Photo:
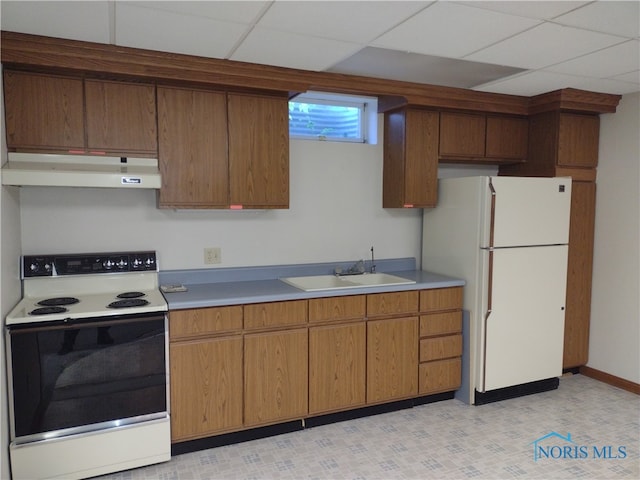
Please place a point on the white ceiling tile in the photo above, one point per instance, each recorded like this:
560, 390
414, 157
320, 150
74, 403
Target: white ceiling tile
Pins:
604, 63
86, 21
605, 85
449, 29
234, 11
617, 17
529, 83
351, 21
153, 29
543, 10
631, 77
271, 47
544, 45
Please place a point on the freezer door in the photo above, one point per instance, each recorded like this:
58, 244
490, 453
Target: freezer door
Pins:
530, 211
522, 337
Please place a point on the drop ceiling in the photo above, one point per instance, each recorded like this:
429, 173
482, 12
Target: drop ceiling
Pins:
512, 47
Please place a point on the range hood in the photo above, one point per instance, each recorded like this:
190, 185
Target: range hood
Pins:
51, 170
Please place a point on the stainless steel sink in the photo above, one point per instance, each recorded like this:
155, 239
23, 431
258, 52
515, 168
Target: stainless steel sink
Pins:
315, 283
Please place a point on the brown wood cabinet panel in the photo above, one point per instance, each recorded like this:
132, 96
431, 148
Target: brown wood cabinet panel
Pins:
121, 117
392, 359
258, 151
462, 135
580, 269
437, 348
337, 373
275, 376
392, 303
439, 299
275, 314
507, 137
192, 131
206, 387
337, 308
43, 112
578, 140
200, 322
410, 170
440, 323
440, 376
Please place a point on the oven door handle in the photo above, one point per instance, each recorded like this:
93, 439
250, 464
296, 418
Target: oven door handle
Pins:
84, 322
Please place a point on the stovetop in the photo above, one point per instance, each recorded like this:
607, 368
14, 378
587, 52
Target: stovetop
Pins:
82, 286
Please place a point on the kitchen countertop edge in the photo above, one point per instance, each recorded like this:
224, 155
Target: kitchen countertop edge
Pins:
247, 291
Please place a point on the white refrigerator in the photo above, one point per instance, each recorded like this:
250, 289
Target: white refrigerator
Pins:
507, 237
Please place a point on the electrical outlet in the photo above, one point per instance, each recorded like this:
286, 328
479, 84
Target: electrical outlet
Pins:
212, 255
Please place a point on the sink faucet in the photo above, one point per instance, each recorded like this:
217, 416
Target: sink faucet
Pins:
373, 265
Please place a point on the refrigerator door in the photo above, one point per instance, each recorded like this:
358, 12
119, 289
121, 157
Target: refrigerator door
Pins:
527, 211
521, 338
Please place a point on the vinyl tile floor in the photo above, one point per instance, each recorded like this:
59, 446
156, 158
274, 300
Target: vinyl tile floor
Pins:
584, 429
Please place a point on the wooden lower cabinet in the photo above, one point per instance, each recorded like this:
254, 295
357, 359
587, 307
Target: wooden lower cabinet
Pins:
392, 359
275, 376
337, 367
439, 376
206, 387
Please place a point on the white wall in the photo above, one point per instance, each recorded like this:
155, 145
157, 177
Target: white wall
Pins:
9, 283
335, 214
614, 345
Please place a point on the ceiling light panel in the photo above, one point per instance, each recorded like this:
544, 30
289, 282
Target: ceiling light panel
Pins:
351, 21
544, 45
154, 29
447, 29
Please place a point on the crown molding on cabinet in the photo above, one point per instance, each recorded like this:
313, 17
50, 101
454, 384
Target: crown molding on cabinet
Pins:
34, 52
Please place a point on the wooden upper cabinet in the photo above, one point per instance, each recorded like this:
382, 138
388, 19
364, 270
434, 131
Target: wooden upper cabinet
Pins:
192, 151
462, 135
485, 138
578, 137
507, 137
49, 113
121, 117
43, 112
410, 172
258, 151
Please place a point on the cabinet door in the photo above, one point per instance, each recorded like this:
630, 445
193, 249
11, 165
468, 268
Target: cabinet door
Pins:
275, 376
440, 376
43, 112
337, 358
392, 359
578, 140
410, 172
258, 151
206, 387
121, 117
580, 265
193, 148
507, 138
462, 135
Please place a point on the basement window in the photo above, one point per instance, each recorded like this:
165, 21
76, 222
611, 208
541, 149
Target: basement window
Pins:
333, 117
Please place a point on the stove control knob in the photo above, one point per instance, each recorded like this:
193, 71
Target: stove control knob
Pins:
122, 264
108, 264
34, 267
137, 262
47, 267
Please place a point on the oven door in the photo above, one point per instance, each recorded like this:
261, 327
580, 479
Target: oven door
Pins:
79, 376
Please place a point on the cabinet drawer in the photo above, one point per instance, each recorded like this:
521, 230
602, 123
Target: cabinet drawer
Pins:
440, 347
439, 299
440, 376
392, 303
264, 315
337, 308
204, 321
441, 323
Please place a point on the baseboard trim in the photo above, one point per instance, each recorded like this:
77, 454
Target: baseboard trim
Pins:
609, 379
